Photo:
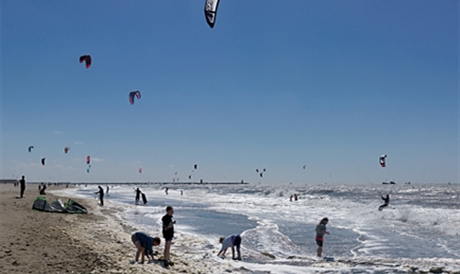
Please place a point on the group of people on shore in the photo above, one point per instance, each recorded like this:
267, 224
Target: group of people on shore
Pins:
144, 243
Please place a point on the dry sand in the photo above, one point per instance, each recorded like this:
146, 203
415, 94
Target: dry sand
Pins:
98, 242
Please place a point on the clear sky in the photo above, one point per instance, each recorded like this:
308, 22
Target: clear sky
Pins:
275, 84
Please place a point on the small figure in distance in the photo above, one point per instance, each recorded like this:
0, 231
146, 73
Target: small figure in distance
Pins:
144, 244
101, 195
138, 195
320, 231
22, 183
386, 202
230, 241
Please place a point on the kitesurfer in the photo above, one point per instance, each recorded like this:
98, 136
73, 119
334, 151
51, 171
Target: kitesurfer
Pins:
320, 231
168, 232
386, 202
22, 183
230, 241
144, 244
166, 191
101, 195
138, 195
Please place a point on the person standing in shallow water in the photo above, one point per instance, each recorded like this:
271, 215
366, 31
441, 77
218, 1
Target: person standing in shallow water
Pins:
320, 231
101, 195
168, 232
22, 183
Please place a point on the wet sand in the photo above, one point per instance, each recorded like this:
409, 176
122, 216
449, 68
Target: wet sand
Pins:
97, 242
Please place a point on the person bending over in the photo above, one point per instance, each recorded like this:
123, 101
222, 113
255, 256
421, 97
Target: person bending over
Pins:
144, 244
230, 241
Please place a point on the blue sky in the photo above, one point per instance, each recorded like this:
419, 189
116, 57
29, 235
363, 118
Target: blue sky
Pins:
277, 85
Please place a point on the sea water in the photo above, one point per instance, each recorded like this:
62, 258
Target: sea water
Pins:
421, 223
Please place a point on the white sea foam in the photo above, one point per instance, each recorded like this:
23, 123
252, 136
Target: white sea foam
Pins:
278, 235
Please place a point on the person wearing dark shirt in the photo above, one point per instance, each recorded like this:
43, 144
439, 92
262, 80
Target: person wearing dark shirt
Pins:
138, 195
144, 244
168, 232
386, 202
22, 183
101, 195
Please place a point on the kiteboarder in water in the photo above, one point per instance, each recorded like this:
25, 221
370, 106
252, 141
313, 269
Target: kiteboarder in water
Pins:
138, 195
101, 195
320, 231
144, 244
387, 201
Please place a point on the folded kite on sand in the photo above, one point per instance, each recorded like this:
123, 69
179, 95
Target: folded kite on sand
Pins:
71, 206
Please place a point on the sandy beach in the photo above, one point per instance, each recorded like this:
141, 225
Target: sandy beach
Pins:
97, 242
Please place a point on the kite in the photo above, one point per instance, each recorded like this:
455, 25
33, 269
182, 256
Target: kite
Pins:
133, 94
261, 173
190, 176
140, 170
195, 166
382, 160
43, 161
304, 166
30, 148
86, 59
66, 149
88, 160
210, 11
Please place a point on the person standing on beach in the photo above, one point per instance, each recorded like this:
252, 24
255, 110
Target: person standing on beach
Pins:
320, 231
22, 183
101, 195
230, 241
168, 232
144, 244
107, 191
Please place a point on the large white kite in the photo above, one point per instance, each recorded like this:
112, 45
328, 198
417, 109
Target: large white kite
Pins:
210, 11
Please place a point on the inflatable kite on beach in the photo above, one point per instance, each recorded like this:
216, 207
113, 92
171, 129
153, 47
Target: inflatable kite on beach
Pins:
210, 11
88, 160
87, 59
382, 160
133, 94
57, 206
66, 149
30, 148
43, 161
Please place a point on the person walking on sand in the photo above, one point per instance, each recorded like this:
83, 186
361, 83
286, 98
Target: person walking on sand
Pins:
144, 244
230, 241
22, 183
168, 232
320, 231
101, 195
107, 191
386, 201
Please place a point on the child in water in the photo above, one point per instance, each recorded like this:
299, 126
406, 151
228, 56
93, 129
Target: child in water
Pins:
320, 231
230, 241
